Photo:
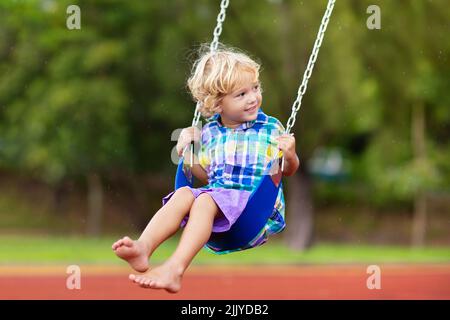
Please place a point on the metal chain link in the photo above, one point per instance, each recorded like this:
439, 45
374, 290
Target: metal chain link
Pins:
218, 29
312, 59
213, 47
302, 89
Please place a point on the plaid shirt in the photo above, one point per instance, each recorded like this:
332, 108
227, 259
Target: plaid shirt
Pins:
237, 158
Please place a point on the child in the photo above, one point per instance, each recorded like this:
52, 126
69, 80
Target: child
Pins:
235, 146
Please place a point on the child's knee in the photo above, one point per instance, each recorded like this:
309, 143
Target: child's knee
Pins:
185, 193
205, 203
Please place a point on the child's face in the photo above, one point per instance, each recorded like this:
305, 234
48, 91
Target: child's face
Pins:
241, 105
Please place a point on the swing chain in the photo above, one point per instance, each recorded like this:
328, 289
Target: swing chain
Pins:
213, 47
312, 59
218, 28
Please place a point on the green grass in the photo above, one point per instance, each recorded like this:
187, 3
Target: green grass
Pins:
54, 250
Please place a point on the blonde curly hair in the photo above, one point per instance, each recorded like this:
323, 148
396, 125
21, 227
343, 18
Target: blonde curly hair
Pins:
216, 74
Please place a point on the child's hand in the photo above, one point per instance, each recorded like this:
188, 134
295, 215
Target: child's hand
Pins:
186, 136
286, 143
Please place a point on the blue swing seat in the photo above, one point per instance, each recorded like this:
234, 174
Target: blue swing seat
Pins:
252, 220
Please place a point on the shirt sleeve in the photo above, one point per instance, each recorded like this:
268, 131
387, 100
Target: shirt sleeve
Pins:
277, 129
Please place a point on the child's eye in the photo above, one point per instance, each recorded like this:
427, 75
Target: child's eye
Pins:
256, 87
241, 94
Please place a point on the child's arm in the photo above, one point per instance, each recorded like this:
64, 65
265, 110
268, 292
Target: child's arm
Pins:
291, 165
286, 143
197, 169
188, 135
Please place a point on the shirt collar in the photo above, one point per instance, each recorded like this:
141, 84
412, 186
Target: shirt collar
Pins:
260, 118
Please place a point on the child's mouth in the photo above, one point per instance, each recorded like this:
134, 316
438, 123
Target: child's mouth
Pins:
252, 109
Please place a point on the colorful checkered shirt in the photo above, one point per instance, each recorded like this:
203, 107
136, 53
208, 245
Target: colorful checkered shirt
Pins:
237, 158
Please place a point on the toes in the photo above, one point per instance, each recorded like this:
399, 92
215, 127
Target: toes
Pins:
118, 243
143, 281
127, 241
137, 280
146, 283
149, 281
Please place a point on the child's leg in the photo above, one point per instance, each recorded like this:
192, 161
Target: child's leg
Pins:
195, 235
164, 224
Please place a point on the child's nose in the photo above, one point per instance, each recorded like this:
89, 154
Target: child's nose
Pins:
252, 98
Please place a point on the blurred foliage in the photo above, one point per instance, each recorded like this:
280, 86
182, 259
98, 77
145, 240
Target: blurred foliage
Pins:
105, 99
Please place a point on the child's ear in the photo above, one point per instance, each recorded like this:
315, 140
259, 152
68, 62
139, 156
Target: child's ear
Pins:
218, 105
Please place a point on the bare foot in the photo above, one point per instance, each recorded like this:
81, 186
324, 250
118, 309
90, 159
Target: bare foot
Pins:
166, 277
134, 252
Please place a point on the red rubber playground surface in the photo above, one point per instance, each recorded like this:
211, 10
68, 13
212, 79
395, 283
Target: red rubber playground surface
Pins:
415, 281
